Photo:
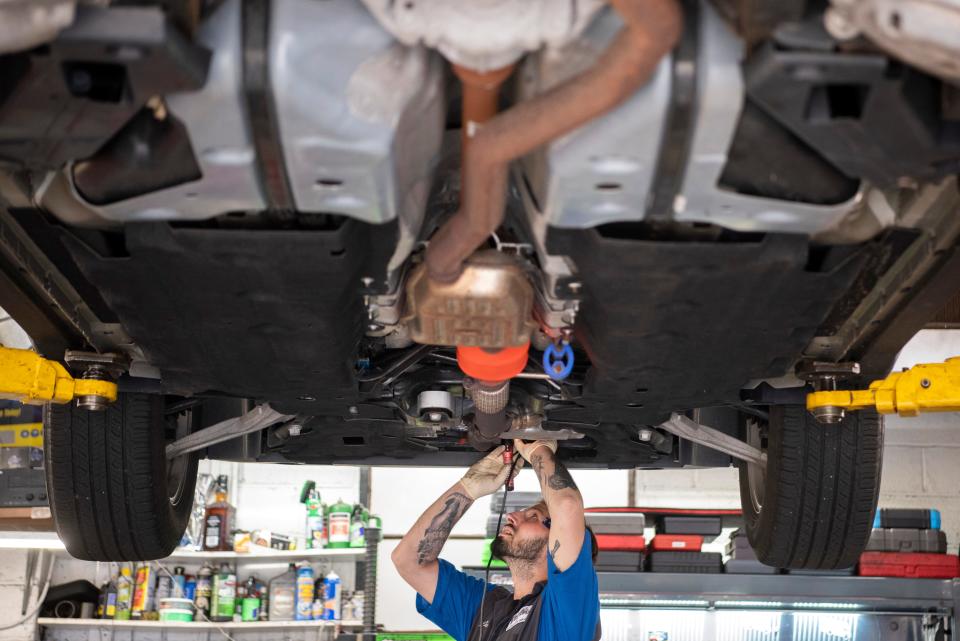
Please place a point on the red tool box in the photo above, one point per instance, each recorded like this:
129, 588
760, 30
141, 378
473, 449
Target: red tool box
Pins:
670, 542
621, 542
910, 565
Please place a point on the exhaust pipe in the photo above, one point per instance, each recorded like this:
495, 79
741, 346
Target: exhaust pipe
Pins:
651, 31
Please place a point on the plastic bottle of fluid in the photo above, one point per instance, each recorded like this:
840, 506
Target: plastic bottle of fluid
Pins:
179, 581
283, 595
110, 601
332, 595
338, 531
314, 520
358, 523
224, 602
124, 594
305, 594
203, 591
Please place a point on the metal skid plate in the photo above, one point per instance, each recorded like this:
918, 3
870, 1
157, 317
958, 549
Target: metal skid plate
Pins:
604, 171
65, 100
720, 92
360, 120
219, 135
361, 116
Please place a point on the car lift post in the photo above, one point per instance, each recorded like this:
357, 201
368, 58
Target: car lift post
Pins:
933, 387
27, 377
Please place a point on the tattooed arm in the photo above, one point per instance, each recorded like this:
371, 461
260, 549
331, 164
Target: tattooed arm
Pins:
562, 498
416, 556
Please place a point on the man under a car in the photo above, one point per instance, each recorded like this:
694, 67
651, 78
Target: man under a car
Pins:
546, 547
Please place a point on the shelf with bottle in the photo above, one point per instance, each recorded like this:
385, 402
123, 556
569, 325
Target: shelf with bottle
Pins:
216, 593
262, 553
191, 625
331, 530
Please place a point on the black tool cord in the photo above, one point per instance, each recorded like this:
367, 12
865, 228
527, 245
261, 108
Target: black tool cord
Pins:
486, 574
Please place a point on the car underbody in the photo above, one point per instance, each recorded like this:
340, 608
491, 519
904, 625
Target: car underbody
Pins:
242, 202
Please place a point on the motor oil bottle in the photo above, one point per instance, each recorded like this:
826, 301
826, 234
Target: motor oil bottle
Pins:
124, 594
304, 601
203, 591
339, 525
224, 599
332, 595
218, 519
110, 600
143, 592
282, 596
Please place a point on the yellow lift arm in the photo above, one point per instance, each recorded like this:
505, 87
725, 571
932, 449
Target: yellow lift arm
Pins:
933, 387
29, 378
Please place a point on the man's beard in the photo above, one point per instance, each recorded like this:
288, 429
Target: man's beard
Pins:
522, 551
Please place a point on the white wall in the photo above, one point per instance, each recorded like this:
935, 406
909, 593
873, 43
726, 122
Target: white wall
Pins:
13, 582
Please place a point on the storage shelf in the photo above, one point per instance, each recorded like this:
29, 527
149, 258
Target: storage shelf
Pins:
262, 554
191, 625
50, 541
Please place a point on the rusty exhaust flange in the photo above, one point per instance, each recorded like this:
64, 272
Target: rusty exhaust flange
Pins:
651, 31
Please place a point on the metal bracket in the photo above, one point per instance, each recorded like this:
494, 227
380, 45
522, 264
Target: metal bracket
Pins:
689, 429
93, 366
538, 434
824, 376
260, 417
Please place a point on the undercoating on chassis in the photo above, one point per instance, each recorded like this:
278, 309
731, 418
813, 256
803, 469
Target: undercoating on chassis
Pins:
667, 323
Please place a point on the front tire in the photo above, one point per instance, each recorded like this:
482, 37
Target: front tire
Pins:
113, 495
813, 507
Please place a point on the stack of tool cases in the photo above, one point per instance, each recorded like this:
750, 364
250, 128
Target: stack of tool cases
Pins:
743, 560
908, 543
620, 531
678, 542
617, 561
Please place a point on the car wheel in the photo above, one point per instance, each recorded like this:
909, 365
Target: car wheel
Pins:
113, 494
813, 505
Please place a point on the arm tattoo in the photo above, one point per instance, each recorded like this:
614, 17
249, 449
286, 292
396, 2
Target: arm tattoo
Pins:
556, 546
436, 534
561, 479
537, 461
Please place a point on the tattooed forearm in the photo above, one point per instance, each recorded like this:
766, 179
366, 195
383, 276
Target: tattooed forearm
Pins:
439, 529
561, 479
537, 461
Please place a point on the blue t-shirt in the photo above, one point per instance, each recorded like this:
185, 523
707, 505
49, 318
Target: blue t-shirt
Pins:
571, 600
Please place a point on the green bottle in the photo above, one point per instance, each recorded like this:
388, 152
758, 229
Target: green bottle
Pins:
339, 525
